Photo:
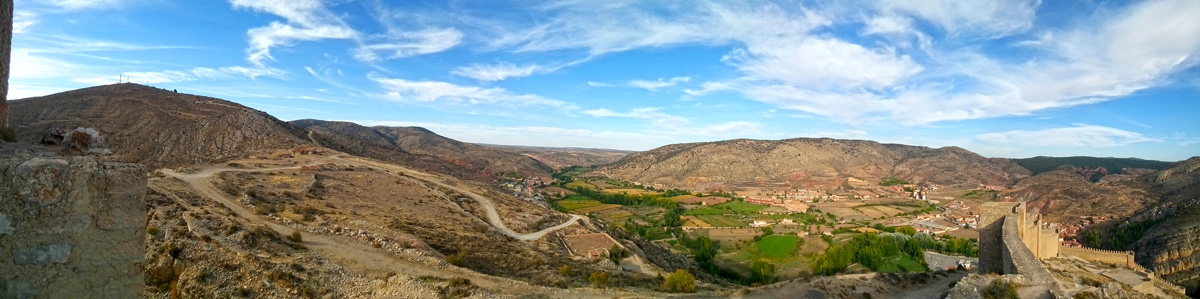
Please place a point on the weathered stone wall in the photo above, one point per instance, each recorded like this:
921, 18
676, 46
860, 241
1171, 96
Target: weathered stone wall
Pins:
991, 240
1119, 258
1018, 259
71, 227
6, 28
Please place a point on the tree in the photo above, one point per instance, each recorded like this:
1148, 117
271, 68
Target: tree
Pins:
680, 281
767, 231
598, 279
762, 271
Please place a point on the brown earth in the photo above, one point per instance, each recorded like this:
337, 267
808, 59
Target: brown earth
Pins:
808, 163
423, 149
155, 127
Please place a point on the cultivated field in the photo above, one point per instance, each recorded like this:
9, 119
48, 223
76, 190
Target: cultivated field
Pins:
777, 246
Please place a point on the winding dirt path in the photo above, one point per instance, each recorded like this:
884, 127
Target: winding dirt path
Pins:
358, 255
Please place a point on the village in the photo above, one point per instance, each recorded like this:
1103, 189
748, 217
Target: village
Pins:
790, 227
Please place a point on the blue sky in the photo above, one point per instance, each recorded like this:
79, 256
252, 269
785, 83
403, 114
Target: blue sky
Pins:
1001, 78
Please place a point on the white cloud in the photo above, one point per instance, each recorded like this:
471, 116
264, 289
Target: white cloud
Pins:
645, 84
1080, 135
971, 18
199, 73
411, 43
498, 72
653, 114
660, 83
85, 4
22, 21
458, 95
307, 20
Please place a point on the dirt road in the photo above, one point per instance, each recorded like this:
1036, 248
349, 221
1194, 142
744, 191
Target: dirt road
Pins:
357, 255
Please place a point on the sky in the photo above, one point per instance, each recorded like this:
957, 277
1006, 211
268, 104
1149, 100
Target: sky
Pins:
1001, 78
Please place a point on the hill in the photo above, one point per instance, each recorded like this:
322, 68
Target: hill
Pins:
1164, 235
559, 157
423, 149
1042, 164
156, 127
1067, 194
808, 163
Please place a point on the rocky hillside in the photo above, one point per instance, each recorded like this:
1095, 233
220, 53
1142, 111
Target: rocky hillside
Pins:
421, 148
155, 127
1172, 247
809, 163
559, 157
1165, 235
1066, 194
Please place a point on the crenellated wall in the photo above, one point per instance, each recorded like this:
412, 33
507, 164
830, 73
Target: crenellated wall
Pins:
1018, 259
71, 227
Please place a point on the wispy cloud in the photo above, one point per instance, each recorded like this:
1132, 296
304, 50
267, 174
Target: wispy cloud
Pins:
199, 73
397, 45
1080, 135
500, 71
646, 84
306, 20
667, 124
86, 4
411, 91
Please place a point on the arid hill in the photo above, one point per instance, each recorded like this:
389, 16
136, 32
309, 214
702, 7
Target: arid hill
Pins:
421, 148
1065, 195
1164, 235
559, 157
808, 163
156, 127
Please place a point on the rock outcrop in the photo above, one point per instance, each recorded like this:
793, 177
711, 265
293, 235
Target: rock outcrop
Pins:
71, 227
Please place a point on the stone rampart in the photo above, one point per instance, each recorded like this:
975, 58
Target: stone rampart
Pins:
1018, 259
1119, 258
71, 228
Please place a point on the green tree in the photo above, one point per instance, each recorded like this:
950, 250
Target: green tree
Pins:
767, 231
680, 281
762, 271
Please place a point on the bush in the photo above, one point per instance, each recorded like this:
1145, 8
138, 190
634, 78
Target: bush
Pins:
296, 237
7, 134
457, 259
598, 279
152, 230
999, 289
564, 270
680, 281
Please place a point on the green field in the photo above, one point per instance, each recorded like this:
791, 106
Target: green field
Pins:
580, 184
682, 197
708, 210
910, 265
720, 221
572, 204
777, 246
740, 207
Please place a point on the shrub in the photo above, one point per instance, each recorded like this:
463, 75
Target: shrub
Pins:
564, 270
598, 279
7, 134
999, 289
296, 237
152, 230
457, 259
680, 281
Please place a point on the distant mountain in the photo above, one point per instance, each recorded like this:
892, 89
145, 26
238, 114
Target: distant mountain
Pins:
1042, 164
156, 127
559, 157
423, 149
1164, 235
808, 163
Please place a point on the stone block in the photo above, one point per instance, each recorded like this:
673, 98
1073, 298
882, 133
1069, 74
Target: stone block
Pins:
16, 288
41, 255
6, 225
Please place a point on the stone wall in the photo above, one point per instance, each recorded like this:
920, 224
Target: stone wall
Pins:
1018, 259
71, 227
6, 28
991, 240
1119, 258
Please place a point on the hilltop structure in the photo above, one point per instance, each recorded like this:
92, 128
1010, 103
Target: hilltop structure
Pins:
1013, 242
